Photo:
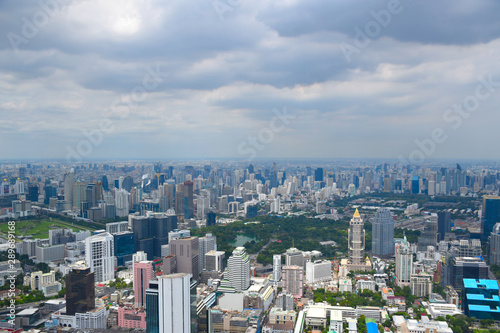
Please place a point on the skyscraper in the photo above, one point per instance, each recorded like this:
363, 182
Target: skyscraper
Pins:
293, 280
356, 242
143, 273
276, 268
174, 304
404, 264
151, 232
99, 256
238, 269
80, 292
383, 233
188, 204
123, 243
491, 214
214, 261
429, 235
69, 182
152, 304
318, 175
444, 224
186, 251
495, 245
207, 243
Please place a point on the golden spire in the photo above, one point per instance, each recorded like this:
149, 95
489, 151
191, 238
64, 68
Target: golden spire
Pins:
356, 213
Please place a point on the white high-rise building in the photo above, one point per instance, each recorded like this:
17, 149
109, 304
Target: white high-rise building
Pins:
69, 181
238, 269
404, 264
276, 268
174, 303
99, 256
318, 271
122, 202
206, 244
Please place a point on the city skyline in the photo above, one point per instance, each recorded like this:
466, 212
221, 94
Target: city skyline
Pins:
250, 80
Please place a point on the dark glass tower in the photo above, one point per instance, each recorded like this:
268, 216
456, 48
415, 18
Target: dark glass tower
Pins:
491, 214
152, 314
80, 292
444, 224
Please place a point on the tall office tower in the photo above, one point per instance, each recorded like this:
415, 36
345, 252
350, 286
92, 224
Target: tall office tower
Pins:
179, 200
80, 291
207, 243
187, 252
174, 303
456, 269
238, 269
404, 264
429, 236
127, 183
294, 257
122, 202
356, 240
292, 280
383, 233
143, 272
214, 261
211, 219
203, 204
432, 188
99, 256
415, 185
491, 214
444, 224
152, 304
69, 182
33, 194
79, 194
168, 191
151, 232
318, 175
188, 200
105, 183
124, 249
276, 268
495, 245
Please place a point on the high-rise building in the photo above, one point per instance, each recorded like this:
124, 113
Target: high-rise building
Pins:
186, 251
491, 214
207, 243
480, 299
99, 256
80, 291
294, 257
495, 245
238, 269
357, 242
444, 224
79, 194
214, 261
276, 268
211, 218
456, 269
152, 304
318, 175
174, 303
383, 233
292, 280
429, 236
69, 182
123, 243
188, 202
404, 264
143, 273
415, 185
151, 232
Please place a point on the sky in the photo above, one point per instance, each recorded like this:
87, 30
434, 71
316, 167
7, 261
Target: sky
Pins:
88, 79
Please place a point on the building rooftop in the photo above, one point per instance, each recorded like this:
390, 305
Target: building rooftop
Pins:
481, 284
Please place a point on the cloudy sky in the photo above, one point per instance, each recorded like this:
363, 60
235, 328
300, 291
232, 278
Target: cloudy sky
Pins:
242, 79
